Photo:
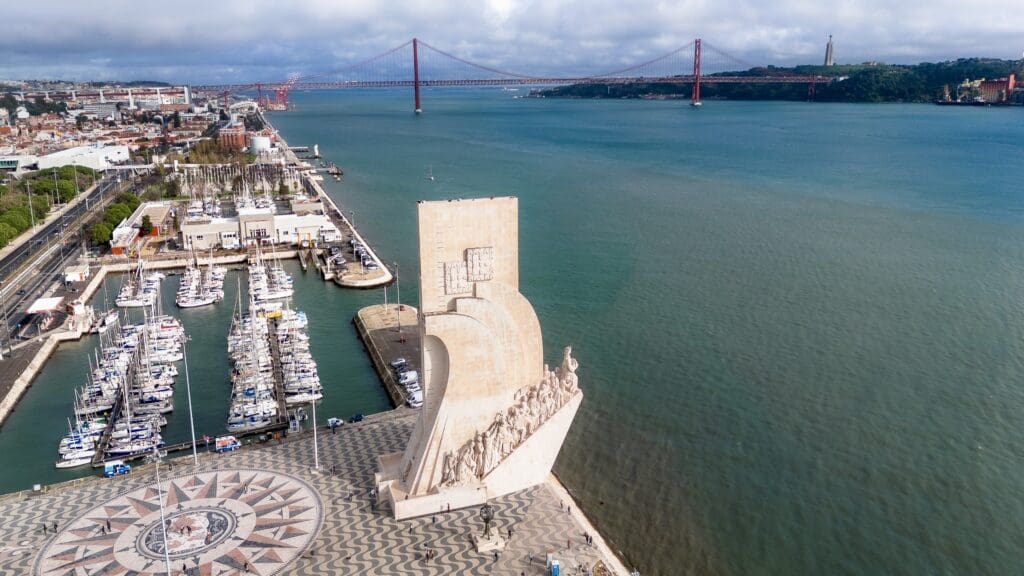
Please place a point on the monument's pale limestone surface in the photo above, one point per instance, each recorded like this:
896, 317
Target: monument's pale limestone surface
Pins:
494, 415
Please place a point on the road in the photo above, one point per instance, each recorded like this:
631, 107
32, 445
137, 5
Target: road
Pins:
35, 267
40, 235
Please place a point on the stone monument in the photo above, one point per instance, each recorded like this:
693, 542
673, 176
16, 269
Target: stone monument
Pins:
494, 415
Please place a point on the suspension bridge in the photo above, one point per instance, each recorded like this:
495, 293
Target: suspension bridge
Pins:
416, 64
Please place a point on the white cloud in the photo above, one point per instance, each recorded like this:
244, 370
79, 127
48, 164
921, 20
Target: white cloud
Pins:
203, 40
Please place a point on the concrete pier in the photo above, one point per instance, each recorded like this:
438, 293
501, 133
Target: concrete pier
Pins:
378, 329
352, 275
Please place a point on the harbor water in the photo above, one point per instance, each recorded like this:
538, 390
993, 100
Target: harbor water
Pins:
799, 326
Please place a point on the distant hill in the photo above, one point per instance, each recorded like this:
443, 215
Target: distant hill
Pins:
868, 82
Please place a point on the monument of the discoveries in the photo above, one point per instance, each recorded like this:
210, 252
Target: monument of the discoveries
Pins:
494, 416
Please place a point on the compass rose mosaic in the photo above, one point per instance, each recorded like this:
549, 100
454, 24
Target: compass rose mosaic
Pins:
213, 523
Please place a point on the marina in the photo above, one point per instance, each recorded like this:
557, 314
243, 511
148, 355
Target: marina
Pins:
274, 387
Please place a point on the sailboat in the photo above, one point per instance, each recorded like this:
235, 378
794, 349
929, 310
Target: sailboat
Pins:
430, 173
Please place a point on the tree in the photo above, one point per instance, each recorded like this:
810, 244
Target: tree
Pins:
65, 190
40, 207
146, 227
100, 233
7, 233
129, 199
44, 186
15, 219
80, 121
176, 119
115, 213
171, 188
282, 189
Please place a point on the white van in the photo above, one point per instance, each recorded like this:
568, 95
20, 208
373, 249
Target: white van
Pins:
415, 399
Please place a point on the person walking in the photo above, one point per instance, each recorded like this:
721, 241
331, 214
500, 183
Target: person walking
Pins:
44, 527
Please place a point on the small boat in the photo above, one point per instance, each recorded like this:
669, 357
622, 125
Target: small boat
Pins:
72, 462
430, 173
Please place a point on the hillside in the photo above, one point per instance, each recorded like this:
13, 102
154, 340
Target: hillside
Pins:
852, 83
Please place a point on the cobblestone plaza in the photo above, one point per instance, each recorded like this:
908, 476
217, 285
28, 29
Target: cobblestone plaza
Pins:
263, 510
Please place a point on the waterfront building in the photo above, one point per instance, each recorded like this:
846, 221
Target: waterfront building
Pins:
255, 225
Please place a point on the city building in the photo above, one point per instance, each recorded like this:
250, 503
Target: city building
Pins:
306, 223
95, 157
997, 91
232, 136
126, 238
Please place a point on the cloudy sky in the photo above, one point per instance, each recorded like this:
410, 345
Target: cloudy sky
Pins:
248, 40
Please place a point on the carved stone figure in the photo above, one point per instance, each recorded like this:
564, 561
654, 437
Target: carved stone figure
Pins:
448, 472
569, 366
532, 408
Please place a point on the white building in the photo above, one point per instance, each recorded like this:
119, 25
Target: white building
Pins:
95, 157
257, 225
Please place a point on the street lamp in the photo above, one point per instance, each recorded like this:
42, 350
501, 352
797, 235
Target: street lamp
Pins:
163, 520
191, 420
398, 300
316, 446
7, 331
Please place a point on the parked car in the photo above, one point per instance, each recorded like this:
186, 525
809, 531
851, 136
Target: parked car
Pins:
397, 363
415, 400
356, 418
409, 377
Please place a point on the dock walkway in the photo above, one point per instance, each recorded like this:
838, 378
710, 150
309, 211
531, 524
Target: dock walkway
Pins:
275, 361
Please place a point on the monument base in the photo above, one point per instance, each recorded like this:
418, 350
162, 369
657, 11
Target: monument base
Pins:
529, 465
489, 544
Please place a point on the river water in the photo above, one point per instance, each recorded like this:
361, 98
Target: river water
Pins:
799, 326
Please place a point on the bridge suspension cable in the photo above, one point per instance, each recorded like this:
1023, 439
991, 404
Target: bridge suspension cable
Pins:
416, 64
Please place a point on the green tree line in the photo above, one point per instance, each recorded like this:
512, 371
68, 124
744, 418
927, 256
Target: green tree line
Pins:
849, 83
17, 212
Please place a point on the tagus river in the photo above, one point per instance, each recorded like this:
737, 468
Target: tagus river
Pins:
799, 326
